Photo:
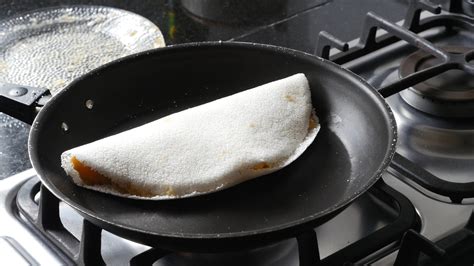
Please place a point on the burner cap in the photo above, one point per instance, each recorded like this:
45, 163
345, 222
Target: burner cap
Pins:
450, 94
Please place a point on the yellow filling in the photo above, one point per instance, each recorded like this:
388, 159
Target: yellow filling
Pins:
91, 177
260, 166
289, 98
88, 175
312, 123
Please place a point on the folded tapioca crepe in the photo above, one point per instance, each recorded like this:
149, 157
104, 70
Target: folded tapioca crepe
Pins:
202, 149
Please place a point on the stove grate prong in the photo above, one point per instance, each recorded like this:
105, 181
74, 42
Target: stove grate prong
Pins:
308, 249
412, 245
148, 257
412, 18
90, 245
325, 42
414, 79
455, 191
454, 249
374, 22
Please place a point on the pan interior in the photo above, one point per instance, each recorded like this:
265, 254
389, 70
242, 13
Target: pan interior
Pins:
353, 144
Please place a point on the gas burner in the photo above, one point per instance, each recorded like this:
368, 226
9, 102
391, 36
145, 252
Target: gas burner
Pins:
435, 123
450, 94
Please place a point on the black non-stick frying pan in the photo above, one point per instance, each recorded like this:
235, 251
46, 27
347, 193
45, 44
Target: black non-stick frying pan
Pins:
355, 144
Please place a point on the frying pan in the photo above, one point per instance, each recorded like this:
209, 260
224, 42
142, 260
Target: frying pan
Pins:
354, 146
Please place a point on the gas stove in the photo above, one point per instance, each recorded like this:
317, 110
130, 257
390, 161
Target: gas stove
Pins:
419, 213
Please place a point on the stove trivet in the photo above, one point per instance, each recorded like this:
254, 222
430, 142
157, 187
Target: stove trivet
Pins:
451, 58
369, 42
455, 191
45, 219
454, 249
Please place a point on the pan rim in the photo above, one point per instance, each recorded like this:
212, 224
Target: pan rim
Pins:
283, 227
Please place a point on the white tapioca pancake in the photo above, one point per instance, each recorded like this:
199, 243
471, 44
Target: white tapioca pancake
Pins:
202, 149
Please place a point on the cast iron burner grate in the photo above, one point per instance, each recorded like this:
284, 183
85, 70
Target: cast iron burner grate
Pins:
449, 59
45, 218
454, 249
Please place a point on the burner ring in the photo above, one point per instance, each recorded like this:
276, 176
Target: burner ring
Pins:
450, 94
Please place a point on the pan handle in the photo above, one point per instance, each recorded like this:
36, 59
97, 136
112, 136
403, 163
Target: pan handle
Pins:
22, 102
